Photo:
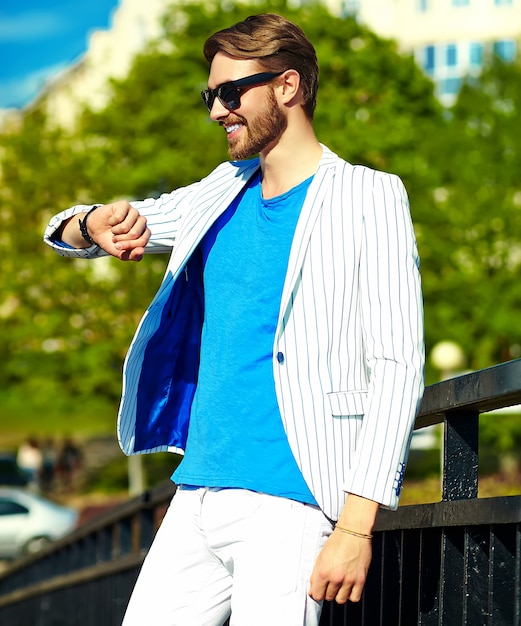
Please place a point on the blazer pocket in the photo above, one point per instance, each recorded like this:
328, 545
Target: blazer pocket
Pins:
347, 403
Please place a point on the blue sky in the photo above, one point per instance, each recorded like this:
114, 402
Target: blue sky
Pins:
39, 38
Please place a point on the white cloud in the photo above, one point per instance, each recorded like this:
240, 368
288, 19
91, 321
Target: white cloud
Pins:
31, 26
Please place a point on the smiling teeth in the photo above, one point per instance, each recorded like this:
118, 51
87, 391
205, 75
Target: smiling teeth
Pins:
230, 129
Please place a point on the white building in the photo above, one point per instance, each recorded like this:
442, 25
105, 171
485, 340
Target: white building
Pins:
109, 55
450, 39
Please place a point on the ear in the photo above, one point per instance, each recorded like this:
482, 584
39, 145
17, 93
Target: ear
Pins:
290, 86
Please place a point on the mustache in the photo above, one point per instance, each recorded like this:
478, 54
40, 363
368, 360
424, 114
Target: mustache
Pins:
233, 118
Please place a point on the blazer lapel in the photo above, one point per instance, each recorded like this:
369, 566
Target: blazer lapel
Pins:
311, 208
211, 200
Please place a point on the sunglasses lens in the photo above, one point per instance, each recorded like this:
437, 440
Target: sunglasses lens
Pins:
230, 97
208, 98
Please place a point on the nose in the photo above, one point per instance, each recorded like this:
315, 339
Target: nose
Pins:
218, 111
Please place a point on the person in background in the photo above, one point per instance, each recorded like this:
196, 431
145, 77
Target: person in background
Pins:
283, 352
48, 470
68, 464
29, 458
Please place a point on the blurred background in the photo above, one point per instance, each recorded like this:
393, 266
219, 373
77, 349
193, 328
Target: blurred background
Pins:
428, 90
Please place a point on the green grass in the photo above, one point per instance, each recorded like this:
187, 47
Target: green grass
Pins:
53, 415
489, 486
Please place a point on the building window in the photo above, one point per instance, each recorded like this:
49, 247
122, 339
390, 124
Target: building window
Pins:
350, 8
451, 55
460, 3
503, 3
449, 86
429, 59
476, 54
422, 5
505, 49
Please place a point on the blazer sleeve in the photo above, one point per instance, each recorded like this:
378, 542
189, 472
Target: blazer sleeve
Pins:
165, 215
392, 331
163, 218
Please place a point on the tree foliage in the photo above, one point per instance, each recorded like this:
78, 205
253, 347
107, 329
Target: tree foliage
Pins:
66, 324
471, 242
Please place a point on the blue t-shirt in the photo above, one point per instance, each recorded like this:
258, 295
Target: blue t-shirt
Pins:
236, 437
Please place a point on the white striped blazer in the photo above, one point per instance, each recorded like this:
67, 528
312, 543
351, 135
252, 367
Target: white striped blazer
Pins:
348, 353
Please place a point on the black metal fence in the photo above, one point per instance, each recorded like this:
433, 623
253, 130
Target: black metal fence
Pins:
455, 562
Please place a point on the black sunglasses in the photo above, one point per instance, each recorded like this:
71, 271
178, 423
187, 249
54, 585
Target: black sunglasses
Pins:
229, 94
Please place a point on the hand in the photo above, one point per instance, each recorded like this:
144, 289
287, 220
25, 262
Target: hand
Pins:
341, 568
120, 230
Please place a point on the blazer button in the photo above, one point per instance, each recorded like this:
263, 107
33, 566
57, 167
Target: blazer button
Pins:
280, 357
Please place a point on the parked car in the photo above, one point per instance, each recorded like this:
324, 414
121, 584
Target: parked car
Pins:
10, 473
28, 522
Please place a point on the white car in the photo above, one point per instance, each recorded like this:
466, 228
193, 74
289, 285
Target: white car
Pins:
28, 522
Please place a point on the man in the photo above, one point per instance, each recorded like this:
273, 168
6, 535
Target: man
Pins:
283, 351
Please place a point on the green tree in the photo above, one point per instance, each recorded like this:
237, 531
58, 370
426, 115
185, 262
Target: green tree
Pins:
375, 106
472, 240
63, 323
66, 324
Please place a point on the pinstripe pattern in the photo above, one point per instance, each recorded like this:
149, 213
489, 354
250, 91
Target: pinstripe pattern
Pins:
348, 353
352, 334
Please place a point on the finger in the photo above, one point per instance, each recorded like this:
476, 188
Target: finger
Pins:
133, 254
120, 212
130, 244
129, 250
317, 591
350, 591
344, 594
127, 230
332, 592
132, 227
324, 591
137, 254
356, 593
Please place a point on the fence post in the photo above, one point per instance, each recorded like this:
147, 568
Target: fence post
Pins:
460, 455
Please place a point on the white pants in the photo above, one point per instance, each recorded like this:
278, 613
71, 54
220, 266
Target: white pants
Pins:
230, 552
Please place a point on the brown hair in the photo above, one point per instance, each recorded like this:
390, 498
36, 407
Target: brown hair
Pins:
276, 44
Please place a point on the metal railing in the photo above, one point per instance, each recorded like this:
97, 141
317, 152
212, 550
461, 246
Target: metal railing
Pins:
454, 562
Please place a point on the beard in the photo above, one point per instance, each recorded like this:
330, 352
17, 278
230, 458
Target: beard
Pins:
262, 130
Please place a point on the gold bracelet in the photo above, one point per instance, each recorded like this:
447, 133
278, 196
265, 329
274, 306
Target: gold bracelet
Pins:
353, 532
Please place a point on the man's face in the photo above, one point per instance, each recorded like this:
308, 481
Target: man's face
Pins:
259, 121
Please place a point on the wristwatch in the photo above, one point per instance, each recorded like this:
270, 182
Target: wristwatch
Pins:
83, 226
